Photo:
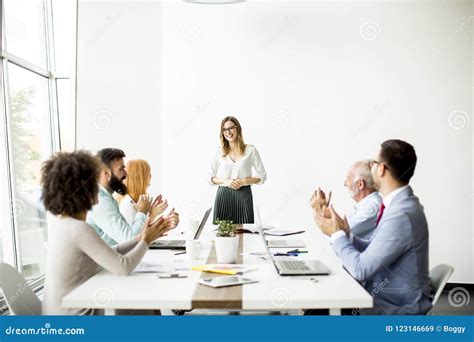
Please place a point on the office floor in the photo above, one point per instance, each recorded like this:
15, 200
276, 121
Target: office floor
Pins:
442, 308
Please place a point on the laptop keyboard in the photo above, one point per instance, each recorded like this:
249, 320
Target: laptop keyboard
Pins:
175, 243
294, 265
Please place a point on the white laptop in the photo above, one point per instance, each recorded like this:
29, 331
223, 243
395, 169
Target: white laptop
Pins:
288, 266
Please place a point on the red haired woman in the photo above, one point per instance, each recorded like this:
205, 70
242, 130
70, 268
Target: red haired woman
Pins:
137, 182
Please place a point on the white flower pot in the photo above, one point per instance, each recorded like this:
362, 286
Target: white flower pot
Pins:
226, 249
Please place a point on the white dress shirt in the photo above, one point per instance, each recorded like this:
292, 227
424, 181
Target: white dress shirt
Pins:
387, 200
226, 168
363, 218
127, 208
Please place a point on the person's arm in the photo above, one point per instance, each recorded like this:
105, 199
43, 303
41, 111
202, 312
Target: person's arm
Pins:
364, 220
111, 222
391, 241
261, 176
359, 244
213, 168
221, 181
120, 260
249, 181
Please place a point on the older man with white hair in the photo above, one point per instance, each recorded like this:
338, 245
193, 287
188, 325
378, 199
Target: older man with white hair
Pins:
361, 188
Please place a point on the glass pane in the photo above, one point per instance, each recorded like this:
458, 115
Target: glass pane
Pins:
25, 30
31, 144
64, 26
66, 114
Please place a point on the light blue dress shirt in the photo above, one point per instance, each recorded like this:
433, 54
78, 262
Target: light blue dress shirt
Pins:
106, 219
363, 218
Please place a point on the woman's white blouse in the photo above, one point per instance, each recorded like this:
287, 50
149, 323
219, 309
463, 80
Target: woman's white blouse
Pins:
224, 167
127, 208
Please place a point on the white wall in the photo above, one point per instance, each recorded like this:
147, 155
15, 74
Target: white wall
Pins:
313, 92
119, 79
313, 95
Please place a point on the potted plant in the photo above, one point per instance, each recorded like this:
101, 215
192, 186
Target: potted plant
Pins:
226, 242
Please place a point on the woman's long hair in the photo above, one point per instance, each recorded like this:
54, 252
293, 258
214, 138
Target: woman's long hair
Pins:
240, 139
138, 178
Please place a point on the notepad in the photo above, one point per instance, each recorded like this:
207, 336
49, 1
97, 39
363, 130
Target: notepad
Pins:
229, 269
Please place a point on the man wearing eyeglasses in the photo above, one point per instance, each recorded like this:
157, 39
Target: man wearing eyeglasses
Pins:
393, 265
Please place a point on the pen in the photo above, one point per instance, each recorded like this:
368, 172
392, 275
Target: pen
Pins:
297, 251
180, 253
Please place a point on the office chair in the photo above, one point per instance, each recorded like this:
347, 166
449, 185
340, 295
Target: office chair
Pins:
20, 298
439, 276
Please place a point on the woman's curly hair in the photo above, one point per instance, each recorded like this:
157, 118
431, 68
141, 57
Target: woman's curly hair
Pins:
70, 182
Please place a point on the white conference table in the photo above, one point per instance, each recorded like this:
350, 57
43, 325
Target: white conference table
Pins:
273, 292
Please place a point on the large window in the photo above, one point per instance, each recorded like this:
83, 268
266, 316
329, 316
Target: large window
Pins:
37, 74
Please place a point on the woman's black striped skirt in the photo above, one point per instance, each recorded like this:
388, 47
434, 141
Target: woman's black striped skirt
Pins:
235, 205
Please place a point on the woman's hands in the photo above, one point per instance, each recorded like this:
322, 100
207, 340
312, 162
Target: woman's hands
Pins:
159, 206
155, 230
144, 204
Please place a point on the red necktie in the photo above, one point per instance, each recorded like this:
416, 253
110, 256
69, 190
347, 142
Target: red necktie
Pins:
379, 216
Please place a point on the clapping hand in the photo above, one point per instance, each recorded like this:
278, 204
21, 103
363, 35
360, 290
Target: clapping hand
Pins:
159, 228
158, 207
330, 222
319, 201
144, 204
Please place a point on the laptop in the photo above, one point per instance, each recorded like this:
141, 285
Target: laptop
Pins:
181, 244
279, 243
287, 267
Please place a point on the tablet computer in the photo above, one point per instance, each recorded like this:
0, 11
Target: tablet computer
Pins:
226, 281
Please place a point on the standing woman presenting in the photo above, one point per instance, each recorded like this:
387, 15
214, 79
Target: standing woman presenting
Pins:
231, 170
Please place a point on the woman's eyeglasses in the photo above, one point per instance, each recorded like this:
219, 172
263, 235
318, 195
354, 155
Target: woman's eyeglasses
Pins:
227, 130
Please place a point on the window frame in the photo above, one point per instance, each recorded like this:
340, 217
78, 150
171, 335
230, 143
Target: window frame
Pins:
10, 232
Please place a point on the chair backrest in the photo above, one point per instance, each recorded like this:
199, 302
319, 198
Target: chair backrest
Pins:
20, 298
439, 276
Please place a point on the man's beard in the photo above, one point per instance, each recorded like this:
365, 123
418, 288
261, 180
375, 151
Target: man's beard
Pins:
352, 192
117, 185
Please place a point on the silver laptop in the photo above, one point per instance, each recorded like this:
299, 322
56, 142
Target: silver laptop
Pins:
181, 244
279, 243
289, 267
